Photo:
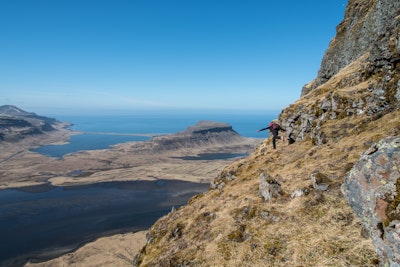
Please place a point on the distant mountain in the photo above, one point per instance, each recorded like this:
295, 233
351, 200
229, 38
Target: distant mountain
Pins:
13, 111
10, 110
16, 124
202, 134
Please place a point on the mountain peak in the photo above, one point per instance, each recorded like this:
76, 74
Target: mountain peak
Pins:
17, 124
10, 110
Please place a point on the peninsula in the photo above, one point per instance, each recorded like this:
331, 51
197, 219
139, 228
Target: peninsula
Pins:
195, 154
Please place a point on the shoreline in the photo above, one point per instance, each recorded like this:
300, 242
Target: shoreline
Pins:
23, 168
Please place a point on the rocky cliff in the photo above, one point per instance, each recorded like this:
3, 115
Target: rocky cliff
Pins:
204, 133
285, 207
368, 34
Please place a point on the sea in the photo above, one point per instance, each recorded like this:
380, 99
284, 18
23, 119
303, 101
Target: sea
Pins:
41, 222
103, 131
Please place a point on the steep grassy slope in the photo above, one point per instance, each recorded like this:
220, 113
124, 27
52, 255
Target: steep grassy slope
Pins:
353, 103
234, 227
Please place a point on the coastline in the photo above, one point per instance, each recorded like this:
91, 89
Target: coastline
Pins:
122, 162
21, 167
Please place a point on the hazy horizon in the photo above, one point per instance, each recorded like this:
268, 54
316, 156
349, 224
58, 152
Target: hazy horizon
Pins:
107, 56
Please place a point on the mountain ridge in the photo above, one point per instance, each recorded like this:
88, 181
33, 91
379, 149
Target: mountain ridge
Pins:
17, 124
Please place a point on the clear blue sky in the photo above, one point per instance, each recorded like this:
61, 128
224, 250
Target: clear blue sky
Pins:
107, 56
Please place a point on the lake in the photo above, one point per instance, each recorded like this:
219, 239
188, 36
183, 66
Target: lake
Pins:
43, 221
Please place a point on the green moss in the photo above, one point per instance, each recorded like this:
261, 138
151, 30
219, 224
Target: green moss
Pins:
390, 91
225, 250
177, 231
204, 218
274, 246
245, 213
238, 235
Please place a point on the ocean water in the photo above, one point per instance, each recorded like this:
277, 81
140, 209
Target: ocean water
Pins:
100, 132
245, 124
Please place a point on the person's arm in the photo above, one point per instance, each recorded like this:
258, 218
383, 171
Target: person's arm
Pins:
263, 129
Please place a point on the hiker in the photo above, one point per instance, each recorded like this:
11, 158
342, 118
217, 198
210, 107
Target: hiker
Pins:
274, 128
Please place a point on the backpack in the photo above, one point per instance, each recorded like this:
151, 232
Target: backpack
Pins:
275, 126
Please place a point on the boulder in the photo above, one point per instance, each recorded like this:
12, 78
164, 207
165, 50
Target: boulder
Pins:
320, 181
268, 187
372, 189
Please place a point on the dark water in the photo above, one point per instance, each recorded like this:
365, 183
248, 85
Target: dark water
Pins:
36, 222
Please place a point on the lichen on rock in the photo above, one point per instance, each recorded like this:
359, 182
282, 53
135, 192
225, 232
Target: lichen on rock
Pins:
372, 189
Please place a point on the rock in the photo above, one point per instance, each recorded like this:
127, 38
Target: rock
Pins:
363, 56
372, 189
369, 28
268, 187
320, 181
297, 193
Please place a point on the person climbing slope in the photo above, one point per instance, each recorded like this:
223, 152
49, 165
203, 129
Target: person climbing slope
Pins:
274, 128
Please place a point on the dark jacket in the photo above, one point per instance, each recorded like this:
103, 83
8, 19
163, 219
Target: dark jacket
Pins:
273, 128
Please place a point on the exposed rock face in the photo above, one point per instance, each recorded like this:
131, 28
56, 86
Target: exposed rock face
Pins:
372, 189
16, 124
359, 74
369, 27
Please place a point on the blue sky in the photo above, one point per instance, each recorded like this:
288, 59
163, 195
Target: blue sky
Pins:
118, 56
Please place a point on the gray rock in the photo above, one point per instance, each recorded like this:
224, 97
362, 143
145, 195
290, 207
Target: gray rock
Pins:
368, 36
320, 181
372, 189
297, 193
268, 187
366, 28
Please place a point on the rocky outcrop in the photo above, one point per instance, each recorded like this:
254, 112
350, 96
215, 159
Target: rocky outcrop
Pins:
269, 187
359, 74
372, 189
17, 124
369, 27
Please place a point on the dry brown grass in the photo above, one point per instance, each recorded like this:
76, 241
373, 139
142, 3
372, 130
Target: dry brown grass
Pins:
234, 227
